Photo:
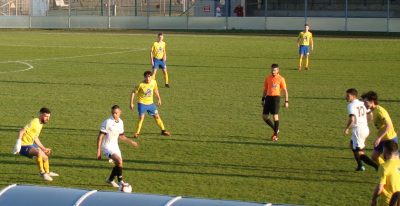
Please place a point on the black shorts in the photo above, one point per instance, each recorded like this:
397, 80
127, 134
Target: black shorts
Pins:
271, 105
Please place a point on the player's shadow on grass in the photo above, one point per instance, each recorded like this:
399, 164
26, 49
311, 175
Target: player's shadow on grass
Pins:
264, 142
226, 170
236, 57
340, 98
66, 83
70, 130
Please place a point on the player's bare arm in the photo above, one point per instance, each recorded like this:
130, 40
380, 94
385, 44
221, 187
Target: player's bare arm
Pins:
286, 104
99, 141
378, 190
158, 96
129, 141
312, 44
151, 57
388, 126
350, 123
37, 141
131, 105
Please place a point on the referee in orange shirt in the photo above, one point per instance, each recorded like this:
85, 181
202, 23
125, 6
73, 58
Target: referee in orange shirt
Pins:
273, 85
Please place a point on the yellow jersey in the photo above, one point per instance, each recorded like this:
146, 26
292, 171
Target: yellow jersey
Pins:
158, 50
32, 131
144, 92
305, 38
389, 176
380, 117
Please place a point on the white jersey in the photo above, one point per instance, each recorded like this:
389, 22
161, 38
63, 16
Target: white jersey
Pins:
112, 132
358, 109
360, 129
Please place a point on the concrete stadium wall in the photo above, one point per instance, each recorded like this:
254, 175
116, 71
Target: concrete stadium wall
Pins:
203, 23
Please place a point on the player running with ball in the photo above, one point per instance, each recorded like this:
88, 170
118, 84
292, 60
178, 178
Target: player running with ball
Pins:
111, 130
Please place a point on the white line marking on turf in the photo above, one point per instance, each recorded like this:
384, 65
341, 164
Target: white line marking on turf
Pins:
58, 58
88, 55
21, 70
60, 46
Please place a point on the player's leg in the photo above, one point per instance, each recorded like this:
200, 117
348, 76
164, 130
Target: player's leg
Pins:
160, 124
275, 117
276, 123
41, 161
300, 61
360, 135
156, 65
306, 66
166, 78
367, 160
152, 110
377, 154
355, 150
266, 111
114, 170
141, 112
154, 72
268, 121
116, 157
356, 143
300, 57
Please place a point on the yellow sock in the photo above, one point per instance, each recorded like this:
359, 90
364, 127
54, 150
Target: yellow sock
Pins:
306, 61
39, 162
160, 123
300, 61
139, 126
166, 78
46, 166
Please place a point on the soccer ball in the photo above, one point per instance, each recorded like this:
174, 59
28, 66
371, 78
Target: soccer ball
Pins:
125, 187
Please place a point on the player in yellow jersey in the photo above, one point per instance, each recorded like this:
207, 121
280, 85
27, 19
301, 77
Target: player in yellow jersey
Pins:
144, 92
389, 175
382, 122
305, 43
158, 58
29, 145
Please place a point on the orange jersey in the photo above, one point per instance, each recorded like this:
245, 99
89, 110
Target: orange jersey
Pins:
274, 84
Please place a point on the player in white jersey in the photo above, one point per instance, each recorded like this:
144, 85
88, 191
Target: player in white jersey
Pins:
358, 120
111, 130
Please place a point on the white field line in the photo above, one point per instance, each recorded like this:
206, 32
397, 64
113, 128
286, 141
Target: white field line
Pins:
29, 66
80, 56
21, 70
59, 46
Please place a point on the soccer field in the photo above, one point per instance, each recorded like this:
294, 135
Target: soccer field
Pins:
220, 147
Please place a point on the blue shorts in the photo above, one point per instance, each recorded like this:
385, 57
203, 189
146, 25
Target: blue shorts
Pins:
25, 150
151, 109
379, 148
159, 63
304, 50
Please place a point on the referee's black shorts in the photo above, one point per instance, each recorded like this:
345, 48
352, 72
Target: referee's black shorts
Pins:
271, 105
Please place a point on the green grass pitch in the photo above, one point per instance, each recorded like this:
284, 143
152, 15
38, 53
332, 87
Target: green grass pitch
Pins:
220, 147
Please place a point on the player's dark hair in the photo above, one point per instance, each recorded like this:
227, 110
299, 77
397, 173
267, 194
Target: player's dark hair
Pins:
395, 199
274, 66
390, 146
352, 91
45, 110
160, 34
306, 25
113, 108
371, 96
146, 73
